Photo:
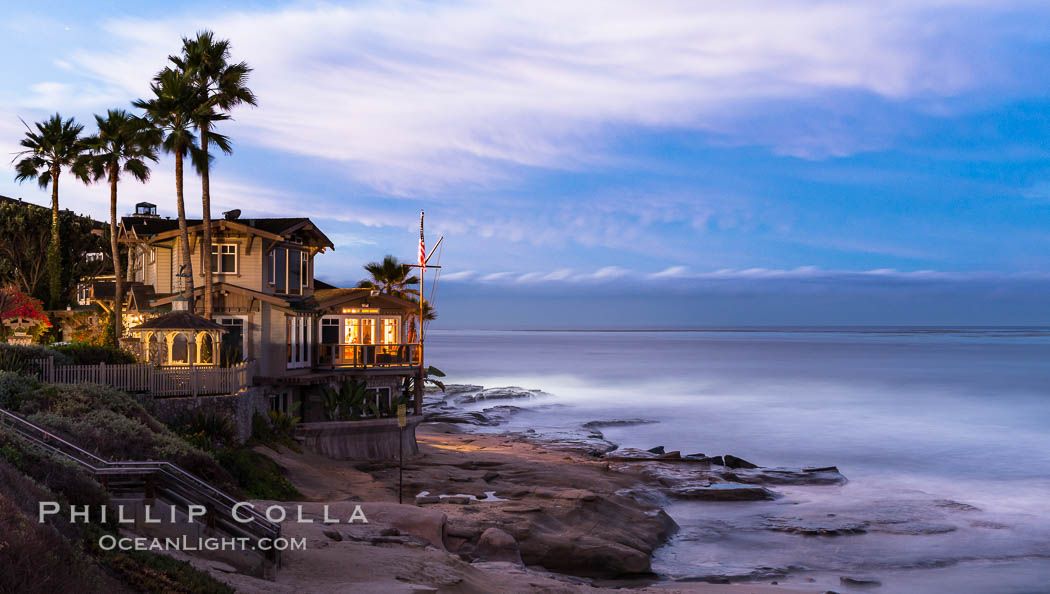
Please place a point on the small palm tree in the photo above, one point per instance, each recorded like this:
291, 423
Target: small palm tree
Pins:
391, 277
222, 87
124, 143
54, 146
172, 110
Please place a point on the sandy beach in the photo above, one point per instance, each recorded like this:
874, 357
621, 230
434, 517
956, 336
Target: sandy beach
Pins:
552, 510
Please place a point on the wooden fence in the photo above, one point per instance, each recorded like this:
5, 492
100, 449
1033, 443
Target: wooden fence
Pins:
158, 381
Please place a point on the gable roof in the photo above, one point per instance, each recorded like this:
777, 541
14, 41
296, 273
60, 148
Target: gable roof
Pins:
329, 297
274, 228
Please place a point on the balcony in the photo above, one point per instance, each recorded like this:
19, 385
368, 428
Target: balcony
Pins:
369, 356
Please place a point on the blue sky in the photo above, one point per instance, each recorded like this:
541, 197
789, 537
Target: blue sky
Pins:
613, 164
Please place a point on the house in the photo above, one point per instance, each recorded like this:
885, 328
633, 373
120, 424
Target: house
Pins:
303, 334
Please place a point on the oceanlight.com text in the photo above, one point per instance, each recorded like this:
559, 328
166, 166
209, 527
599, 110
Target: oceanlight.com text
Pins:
185, 543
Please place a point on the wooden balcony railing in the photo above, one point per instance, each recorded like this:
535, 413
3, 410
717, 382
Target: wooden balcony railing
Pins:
335, 356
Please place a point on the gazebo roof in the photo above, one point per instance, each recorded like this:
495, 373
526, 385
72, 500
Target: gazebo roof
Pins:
179, 320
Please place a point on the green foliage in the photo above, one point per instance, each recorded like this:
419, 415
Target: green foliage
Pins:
13, 390
13, 362
153, 572
208, 431
82, 353
33, 352
259, 476
25, 235
345, 403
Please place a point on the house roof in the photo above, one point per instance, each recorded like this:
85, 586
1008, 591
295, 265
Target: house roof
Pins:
218, 287
274, 228
179, 320
330, 297
99, 225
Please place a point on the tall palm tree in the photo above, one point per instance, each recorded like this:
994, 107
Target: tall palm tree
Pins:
124, 143
222, 86
391, 277
172, 110
54, 146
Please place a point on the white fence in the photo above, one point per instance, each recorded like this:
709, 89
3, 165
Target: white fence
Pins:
158, 381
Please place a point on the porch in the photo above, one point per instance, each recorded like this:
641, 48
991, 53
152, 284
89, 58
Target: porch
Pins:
391, 357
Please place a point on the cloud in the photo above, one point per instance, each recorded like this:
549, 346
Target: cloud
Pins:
413, 97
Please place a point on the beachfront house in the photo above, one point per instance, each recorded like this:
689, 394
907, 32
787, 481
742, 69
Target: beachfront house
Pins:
300, 333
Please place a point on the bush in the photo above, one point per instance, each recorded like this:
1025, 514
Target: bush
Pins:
33, 351
82, 353
208, 431
13, 390
259, 476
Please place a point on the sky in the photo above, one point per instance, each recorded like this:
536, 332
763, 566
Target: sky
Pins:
610, 164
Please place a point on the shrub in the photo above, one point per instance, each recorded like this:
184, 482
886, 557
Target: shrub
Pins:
33, 351
82, 353
258, 475
208, 431
13, 390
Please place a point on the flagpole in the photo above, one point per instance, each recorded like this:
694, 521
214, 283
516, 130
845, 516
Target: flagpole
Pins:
422, 271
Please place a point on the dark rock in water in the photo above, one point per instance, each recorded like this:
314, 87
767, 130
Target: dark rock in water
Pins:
827, 526
785, 476
333, 534
675, 455
956, 506
617, 423
734, 462
389, 532
694, 456
503, 393
913, 528
468, 417
657, 450
859, 581
724, 492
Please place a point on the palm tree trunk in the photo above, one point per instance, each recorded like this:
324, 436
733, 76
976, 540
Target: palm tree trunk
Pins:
118, 289
184, 234
54, 253
206, 219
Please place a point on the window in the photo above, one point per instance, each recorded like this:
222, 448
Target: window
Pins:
306, 270
271, 264
205, 353
330, 331
299, 334
153, 255
224, 258
280, 269
295, 269
390, 331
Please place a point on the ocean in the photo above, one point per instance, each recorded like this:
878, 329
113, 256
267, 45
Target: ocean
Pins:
943, 433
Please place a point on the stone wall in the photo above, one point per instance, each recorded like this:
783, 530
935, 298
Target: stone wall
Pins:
370, 439
239, 407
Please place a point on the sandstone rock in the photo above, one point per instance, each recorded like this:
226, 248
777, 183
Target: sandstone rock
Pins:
467, 417
457, 500
427, 499
496, 545
675, 455
389, 532
333, 534
724, 492
617, 423
734, 462
657, 450
827, 526
490, 476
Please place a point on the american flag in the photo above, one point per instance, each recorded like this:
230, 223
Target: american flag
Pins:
422, 249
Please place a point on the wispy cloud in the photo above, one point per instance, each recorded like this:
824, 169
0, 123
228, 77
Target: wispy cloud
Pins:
413, 97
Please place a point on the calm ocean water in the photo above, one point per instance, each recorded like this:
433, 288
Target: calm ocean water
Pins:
919, 420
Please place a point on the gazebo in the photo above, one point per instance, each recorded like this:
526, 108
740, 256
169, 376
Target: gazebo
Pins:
179, 338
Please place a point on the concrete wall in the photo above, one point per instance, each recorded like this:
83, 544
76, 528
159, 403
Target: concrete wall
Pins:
372, 439
239, 407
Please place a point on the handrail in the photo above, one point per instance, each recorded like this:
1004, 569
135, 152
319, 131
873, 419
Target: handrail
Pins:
164, 467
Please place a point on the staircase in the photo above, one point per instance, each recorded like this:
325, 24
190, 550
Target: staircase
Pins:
164, 481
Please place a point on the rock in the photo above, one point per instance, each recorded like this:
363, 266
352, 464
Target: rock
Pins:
657, 450
502, 393
734, 462
467, 417
617, 423
522, 509
786, 476
457, 500
389, 532
859, 581
827, 526
332, 534
724, 492
427, 499
496, 545
675, 455
490, 476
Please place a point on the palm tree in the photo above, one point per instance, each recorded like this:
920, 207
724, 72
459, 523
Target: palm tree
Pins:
123, 142
391, 277
54, 146
172, 110
222, 87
